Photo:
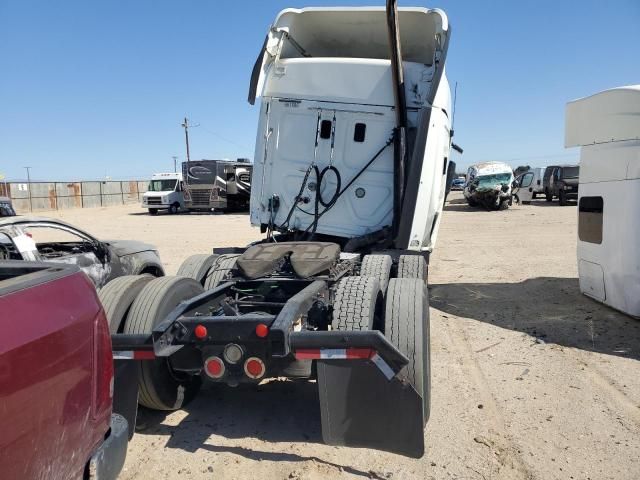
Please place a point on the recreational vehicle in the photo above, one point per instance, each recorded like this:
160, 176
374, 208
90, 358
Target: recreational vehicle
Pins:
217, 184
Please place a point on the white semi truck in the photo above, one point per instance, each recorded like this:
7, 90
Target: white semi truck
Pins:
165, 192
349, 180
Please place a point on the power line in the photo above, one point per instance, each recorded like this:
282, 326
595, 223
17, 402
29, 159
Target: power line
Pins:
520, 159
225, 139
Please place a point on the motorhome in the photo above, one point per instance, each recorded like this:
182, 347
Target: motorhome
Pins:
606, 127
217, 184
165, 192
489, 185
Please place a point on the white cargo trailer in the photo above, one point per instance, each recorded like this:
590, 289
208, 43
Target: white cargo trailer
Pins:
607, 128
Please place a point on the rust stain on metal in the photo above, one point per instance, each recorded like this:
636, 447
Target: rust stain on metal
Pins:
53, 198
5, 189
75, 191
133, 190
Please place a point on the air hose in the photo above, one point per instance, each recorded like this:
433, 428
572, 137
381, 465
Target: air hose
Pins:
319, 200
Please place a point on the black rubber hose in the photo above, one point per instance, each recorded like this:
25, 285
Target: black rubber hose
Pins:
336, 194
355, 177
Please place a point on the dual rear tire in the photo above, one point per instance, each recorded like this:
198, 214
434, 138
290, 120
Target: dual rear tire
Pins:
402, 315
135, 305
161, 388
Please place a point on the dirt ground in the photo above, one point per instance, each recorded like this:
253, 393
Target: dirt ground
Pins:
531, 380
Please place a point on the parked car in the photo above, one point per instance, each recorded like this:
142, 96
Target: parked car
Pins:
457, 184
562, 183
6, 208
56, 374
43, 239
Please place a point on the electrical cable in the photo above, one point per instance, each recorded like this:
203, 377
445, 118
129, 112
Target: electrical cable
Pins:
339, 193
319, 200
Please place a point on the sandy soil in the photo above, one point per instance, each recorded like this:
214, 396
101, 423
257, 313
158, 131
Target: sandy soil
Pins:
531, 380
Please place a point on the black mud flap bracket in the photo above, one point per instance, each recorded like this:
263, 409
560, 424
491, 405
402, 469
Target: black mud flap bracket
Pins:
365, 400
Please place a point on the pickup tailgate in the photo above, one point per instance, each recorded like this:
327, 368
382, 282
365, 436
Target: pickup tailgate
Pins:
47, 315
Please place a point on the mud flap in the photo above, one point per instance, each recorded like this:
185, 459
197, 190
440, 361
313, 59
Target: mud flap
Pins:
125, 391
361, 408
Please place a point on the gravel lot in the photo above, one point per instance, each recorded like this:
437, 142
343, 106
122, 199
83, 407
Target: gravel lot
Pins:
531, 380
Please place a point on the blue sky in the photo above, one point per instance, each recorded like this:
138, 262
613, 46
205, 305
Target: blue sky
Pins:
95, 89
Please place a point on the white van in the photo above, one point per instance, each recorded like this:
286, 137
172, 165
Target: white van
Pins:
607, 128
489, 185
530, 184
165, 192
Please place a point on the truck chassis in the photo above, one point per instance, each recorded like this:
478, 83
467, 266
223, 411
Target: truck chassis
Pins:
344, 323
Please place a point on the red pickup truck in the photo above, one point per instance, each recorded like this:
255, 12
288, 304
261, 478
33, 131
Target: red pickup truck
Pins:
56, 377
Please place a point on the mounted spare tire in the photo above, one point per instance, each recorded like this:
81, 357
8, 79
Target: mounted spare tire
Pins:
197, 266
162, 388
220, 270
407, 327
358, 304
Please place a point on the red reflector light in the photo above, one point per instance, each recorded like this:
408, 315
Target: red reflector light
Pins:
214, 367
262, 330
254, 367
103, 367
200, 331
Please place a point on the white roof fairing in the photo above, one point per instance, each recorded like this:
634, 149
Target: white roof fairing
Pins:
348, 32
608, 116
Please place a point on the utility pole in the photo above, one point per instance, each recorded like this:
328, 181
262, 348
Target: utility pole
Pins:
175, 164
29, 187
186, 136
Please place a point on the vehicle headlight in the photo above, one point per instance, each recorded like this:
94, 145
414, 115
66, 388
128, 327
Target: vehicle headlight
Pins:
566, 187
165, 198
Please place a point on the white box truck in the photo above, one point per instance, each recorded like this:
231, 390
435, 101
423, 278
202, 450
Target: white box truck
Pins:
165, 192
607, 128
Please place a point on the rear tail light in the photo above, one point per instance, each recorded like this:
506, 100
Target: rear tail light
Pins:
214, 367
200, 332
103, 366
262, 330
254, 368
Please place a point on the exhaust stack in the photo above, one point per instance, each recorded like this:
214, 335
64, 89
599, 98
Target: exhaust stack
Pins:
400, 141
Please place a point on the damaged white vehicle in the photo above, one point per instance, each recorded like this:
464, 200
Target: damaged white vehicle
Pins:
46, 240
489, 185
